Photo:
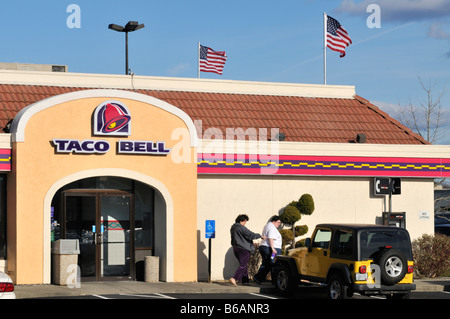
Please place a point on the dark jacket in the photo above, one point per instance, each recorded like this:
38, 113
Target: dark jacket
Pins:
242, 237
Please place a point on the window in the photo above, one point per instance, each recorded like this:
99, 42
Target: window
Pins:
322, 238
372, 241
342, 243
2, 217
144, 216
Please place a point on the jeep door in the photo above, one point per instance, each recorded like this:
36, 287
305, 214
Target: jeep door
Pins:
317, 258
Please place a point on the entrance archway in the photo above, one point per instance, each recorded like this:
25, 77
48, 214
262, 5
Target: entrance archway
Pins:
149, 202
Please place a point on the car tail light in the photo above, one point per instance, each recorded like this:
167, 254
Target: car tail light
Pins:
6, 287
410, 269
362, 269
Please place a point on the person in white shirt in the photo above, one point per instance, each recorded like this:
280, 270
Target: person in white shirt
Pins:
268, 247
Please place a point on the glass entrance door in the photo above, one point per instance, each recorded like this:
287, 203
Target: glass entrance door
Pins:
102, 222
115, 235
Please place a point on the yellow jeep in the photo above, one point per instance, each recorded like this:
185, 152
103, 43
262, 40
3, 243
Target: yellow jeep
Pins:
348, 258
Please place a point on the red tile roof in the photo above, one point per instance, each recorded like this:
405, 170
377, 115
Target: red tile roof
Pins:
301, 119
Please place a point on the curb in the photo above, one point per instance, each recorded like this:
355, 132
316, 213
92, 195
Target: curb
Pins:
134, 287
438, 284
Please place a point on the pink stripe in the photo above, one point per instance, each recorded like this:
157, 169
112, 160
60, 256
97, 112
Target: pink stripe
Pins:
5, 151
343, 159
317, 172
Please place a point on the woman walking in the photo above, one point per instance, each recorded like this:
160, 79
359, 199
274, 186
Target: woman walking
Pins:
242, 242
269, 248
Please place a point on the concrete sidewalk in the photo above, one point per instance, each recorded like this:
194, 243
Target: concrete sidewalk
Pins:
133, 287
138, 287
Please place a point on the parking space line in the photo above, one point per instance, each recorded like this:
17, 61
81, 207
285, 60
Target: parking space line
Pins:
154, 295
260, 295
168, 297
101, 297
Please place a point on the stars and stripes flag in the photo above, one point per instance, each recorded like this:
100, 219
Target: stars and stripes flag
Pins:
337, 37
210, 60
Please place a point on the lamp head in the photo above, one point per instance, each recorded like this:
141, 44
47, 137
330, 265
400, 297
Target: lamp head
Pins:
116, 27
133, 26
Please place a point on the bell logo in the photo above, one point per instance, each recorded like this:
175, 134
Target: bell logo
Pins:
112, 118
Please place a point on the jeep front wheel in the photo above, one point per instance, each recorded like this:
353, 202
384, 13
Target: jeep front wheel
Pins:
284, 280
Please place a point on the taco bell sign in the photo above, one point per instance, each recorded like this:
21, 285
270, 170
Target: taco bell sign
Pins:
111, 118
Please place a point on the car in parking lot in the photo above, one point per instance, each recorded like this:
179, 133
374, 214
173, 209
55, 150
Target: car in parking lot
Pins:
6, 287
348, 258
442, 223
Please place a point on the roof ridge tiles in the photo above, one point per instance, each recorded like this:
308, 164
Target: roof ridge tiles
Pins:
315, 119
391, 120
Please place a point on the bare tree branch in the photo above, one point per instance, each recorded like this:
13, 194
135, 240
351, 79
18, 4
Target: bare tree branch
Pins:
424, 117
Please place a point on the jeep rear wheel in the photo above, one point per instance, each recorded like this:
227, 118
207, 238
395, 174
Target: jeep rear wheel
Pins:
393, 266
284, 280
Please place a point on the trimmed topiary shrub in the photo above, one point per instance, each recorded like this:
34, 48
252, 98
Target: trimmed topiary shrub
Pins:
301, 230
290, 215
286, 237
306, 204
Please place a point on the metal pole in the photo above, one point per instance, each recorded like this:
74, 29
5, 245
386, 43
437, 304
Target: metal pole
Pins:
391, 184
209, 260
126, 53
324, 48
198, 62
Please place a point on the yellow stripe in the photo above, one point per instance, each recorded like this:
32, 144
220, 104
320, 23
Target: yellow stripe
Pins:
313, 165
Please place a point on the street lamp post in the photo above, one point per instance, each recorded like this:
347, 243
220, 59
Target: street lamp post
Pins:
129, 27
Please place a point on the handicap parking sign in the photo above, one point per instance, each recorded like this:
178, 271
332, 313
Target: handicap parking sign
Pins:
210, 229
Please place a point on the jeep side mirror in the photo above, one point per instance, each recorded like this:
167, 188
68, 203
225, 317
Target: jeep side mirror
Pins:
308, 242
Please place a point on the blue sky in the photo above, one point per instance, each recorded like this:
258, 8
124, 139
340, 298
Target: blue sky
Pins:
273, 41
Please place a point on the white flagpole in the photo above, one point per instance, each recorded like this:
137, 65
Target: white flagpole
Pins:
198, 62
324, 48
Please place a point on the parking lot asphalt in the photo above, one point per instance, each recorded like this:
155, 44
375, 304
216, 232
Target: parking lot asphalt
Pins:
139, 287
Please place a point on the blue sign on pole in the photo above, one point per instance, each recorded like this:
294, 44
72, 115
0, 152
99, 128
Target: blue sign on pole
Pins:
210, 229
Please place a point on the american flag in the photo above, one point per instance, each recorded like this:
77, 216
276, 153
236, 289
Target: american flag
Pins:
211, 61
337, 37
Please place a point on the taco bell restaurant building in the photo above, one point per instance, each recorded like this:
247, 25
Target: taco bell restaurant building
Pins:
136, 166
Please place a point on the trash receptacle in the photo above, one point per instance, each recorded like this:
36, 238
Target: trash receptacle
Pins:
151, 269
65, 261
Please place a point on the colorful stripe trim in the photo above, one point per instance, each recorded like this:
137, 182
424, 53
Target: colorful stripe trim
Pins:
323, 165
5, 160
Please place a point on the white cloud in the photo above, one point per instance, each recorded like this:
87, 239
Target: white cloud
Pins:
179, 69
437, 31
394, 110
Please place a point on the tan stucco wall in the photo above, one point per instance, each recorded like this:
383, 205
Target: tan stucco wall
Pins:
337, 200
37, 169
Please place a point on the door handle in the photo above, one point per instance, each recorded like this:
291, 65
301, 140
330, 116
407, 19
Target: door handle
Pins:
98, 238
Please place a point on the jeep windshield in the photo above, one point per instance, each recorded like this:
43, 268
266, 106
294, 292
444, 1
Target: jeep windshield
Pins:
374, 240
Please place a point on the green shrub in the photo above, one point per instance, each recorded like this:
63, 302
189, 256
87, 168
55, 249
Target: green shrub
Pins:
300, 243
290, 215
306, 204
286, 235
301, 230
286, 238
431, 255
